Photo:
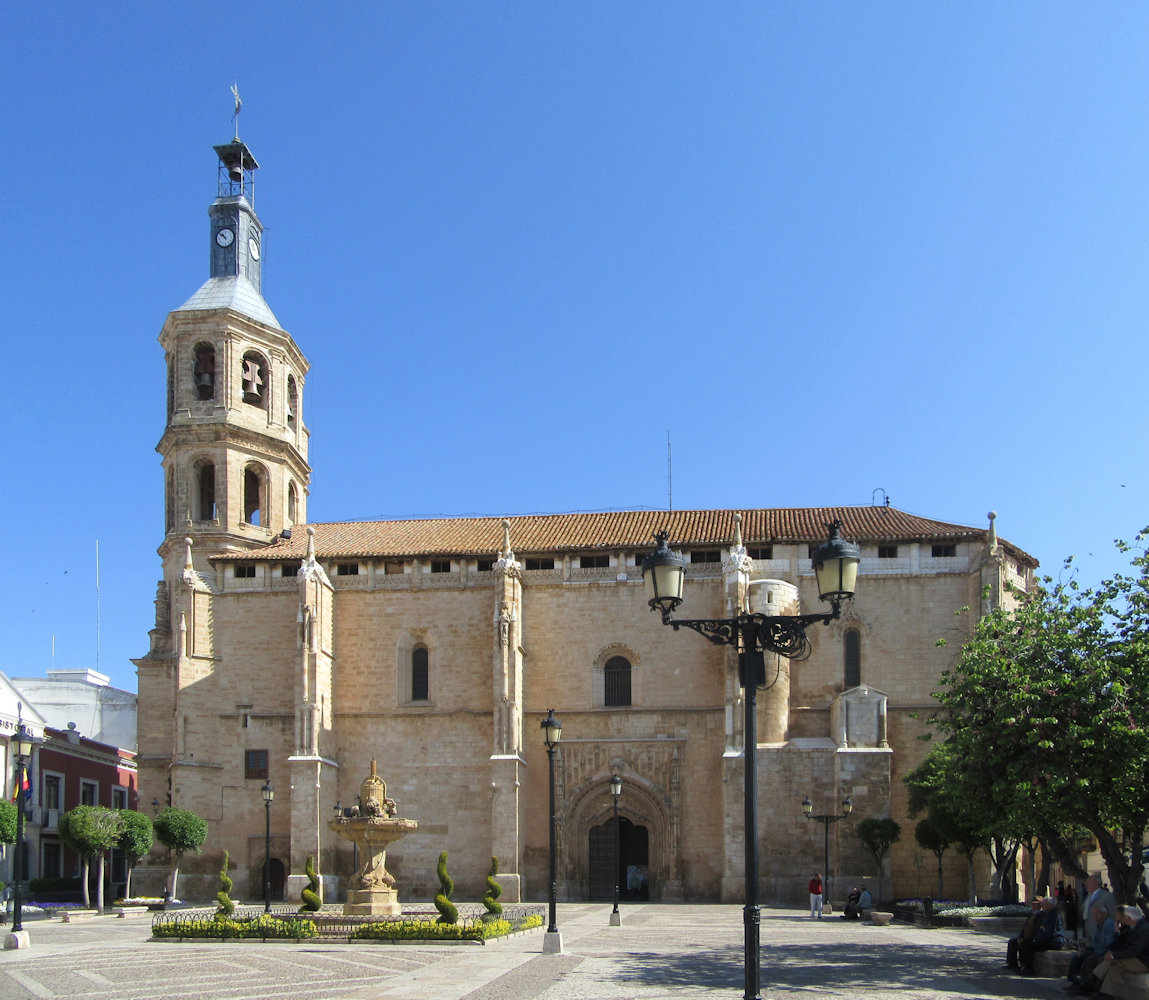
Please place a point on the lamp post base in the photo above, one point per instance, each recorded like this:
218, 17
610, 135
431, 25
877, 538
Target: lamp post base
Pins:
17, 939
616, 919
553, 943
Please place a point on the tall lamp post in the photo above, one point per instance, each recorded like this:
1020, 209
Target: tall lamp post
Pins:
22, 744
826, 819
268, 795
552, 731
615, 792
835, 564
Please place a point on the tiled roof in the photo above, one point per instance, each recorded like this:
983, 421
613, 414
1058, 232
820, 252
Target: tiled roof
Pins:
632, 529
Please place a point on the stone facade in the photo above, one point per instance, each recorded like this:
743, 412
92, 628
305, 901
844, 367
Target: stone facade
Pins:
297, 653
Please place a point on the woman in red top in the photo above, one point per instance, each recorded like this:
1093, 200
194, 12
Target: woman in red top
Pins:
816, 896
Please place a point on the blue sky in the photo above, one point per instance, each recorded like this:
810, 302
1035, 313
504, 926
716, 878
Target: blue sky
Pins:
834, 249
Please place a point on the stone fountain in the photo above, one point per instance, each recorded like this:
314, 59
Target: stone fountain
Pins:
371, 826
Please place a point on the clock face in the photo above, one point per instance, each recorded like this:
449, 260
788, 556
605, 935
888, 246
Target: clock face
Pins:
253, 247
225, 237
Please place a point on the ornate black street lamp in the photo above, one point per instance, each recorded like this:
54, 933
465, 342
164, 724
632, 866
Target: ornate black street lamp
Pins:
835, 564
615, 792
268, 795
552, 731
22, 745
826, 819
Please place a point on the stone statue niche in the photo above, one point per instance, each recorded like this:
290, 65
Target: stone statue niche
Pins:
372, 826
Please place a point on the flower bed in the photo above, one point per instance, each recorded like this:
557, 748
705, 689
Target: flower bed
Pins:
182, 926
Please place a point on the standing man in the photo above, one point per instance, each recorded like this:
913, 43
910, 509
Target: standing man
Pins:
1095, 895
816, 896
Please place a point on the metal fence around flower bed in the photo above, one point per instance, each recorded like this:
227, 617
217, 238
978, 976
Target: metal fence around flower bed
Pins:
330, 923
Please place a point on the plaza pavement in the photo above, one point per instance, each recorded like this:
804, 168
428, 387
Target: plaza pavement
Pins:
661, 952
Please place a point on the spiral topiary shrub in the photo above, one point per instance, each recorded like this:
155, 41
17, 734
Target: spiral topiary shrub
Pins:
494, 891
226, 906
448, 912
311, 901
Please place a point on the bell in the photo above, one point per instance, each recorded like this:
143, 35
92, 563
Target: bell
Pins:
205, 380
235, 172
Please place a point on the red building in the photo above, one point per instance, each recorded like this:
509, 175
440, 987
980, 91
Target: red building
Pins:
71, 770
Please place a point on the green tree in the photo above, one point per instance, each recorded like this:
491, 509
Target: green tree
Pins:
90, 831
1061, 681
310, 895
136, 838
180, 831
933, 840
225, 906
877, 837
448, 912
7, 823
494, 891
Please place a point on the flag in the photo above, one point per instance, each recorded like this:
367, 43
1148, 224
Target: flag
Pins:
23, 783
238, 102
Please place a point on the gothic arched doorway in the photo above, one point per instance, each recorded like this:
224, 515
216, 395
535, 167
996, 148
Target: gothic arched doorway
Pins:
632, 874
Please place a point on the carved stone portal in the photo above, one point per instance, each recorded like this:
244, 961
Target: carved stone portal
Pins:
372, 826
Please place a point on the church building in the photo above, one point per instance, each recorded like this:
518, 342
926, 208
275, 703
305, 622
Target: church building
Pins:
293, 654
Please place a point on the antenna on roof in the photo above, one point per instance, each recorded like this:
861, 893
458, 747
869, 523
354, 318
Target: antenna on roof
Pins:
669, 475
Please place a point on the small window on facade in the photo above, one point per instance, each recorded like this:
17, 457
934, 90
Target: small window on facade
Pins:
887, 552
292, 401
616, 677
205, 491
255, 765
593, 562
485, 565
204, 371
245, 571
89, 793
420, 674
943, 551
440, 565
52, 797
347, 569
543, 562
853, 658
762, 552
393, 569
705, 556
254, 379
51, 859
119, 798
292, 504
289, 569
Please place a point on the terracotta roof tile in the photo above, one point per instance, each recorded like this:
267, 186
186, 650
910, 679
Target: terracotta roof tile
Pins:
632, 529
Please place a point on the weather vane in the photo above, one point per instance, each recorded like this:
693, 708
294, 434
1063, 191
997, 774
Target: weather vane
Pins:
238, 108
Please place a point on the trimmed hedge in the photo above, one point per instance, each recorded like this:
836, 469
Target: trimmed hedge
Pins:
263, 927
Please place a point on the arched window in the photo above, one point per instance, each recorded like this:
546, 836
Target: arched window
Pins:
204, 371
255, 380
171, 389
292, 504
292, 401
616, 686
170, 502
853, 658
420, 674
254, 486
205, 491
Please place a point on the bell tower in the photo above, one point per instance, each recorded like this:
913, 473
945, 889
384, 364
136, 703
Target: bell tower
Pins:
234, 446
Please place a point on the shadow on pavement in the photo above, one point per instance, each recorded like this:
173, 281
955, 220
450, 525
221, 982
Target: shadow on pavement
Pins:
838, 969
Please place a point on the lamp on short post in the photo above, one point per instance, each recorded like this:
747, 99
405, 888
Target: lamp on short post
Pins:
552, 731
268, 795
826, 819
835, 564
22, 744
615, 792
